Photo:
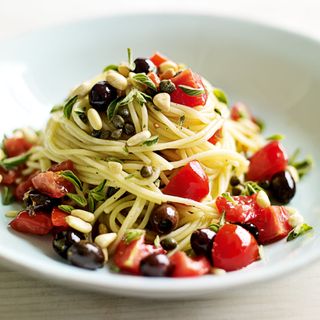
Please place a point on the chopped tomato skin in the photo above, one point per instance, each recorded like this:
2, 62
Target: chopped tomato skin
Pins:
23, 187
216, 137
268, 161
234, 248
183, 266
39, 224
58, 218
62, 166
239, 111
8, 176
190, 79
158, 58
190, 182
16, 146
154, 78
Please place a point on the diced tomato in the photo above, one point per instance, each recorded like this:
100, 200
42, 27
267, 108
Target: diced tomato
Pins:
8, 176
128, 256
51, 184
40, 223
239, 111
190, 182
154, 78
16, 146
183, 266
241, 210
216, 137
234, 248
62, 166
190, 79
58, 218
269, 160
23, 187
158, 58
272, 223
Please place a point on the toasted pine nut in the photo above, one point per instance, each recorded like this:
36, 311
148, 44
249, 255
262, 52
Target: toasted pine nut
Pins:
82, 90
295, 220
164, 66
263, 199
104, 240
117, 80
106, 254
83, 214
11, 213
78, 224
138, 138
94, 119
162, 101
168, 74
124, 70
115, 167
217, 271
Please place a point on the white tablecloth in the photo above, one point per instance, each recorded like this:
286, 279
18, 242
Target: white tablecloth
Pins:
292, 297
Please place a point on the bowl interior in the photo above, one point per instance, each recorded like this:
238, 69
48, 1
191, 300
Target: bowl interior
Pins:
277, 74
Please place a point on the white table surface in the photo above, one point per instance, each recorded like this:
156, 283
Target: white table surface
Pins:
295, 296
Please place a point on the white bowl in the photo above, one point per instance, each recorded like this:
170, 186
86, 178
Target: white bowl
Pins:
276, 73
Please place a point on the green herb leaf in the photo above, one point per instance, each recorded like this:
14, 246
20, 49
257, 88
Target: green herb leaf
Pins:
7, 196
214, 227
195, 92
304, 166
132, 235
144, 79
150, 142
70, 176
91, 203
67, 109
11, 163
157, 242
260, 124
56, 108
66, 208
78, 199
250, 188
276, 137
112, 108
99, 192
220, 95
227, 196
110, 67
216, 110
298, 231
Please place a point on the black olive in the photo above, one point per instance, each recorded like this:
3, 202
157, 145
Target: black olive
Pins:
86, 255
63, 240
168, 244
129, 129
250, 227
164, 218
201, 241
234, 181
265, 184
282, 187
155, 265
143, 65
146, 171
35, 201
101, 95
237, 190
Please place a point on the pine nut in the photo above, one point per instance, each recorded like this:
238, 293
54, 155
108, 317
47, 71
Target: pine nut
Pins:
82, 214
82, 90
102, 228
138, 138
263, 199
11, 213
104, 240
94, 119
106, 254
78, 224
162, 101
295, 220
124, 70
117, 80
115, 167
168, 74
168, 65
217, 271
30, 135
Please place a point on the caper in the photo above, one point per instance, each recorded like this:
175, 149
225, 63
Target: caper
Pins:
168, 244
124, 112
105, 134
146, 171
234, 181
167, 86
237, 190
116, 134
118, 121
129, 129
95, 133
164, 218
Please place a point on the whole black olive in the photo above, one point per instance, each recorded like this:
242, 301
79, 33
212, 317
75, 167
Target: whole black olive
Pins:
63, 240
143, 65
155, 265
101, 95
282, 187
168, 244
164, 218
201, 241
86, 255
35, 201
250, 227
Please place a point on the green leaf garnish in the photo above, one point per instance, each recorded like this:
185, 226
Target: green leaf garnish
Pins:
304, 166
7, 196
298, 231
250, 188
56, 108
216, 110
227, 196
276, 137
11, 163
150, 142
214, 227
220, 95
132, 235
70, 176
144, 79
78, 199
157, 242
67, 109
99, 193
91, 203
260, 124
110, 67
66, 208
113, 106
195, 92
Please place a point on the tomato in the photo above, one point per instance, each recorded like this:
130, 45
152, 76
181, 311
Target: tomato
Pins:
190, 79
241, 210
51, 184
216, 137
183, 266
190, 182
23, 187
16, 146
154, 78
269, 160
234, 248
8, 176
58, 218
128, 256
40, 223
272, 223
62, 166
158, 58
239, 111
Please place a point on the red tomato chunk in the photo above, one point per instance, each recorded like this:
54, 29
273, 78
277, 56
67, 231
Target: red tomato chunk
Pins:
216, 137
62, 166
158, 58
16, 146
58, 218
